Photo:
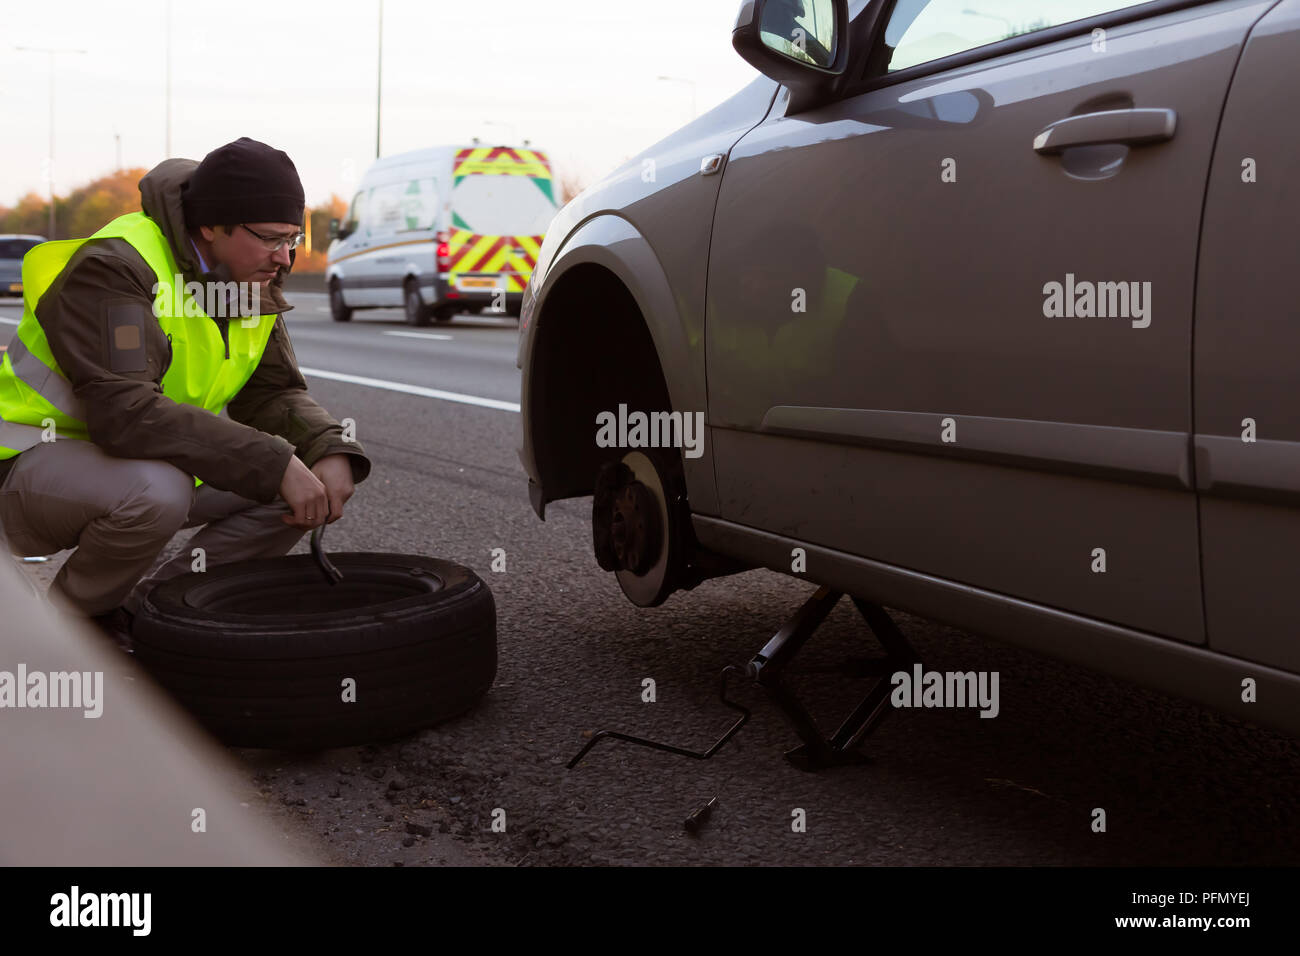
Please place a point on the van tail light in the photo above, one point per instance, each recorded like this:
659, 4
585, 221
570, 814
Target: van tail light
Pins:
443, 251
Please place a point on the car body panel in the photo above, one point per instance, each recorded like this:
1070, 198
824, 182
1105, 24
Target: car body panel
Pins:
1247, 343
1068, 437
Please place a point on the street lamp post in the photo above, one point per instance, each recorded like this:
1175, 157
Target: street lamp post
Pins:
379, 82
50, 172
167, 145
1011, 29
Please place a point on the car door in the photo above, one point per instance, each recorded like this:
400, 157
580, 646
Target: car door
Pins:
1247, 348
950, 317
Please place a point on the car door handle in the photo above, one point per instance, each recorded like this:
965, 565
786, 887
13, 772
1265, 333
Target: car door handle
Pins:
1136, 127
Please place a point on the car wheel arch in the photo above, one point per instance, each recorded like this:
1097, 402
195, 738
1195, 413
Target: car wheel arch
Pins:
604, 261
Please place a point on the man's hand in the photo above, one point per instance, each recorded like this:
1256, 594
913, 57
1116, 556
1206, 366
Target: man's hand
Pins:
304, 493
335, 472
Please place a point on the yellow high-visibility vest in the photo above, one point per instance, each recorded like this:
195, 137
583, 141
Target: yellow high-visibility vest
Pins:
37, 402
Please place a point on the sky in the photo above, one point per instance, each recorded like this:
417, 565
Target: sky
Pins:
578, 78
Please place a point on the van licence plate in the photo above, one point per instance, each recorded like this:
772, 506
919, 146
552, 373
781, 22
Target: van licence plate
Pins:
15, 287
477, 282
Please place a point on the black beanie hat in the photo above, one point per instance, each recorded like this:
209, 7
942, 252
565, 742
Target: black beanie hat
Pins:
243, 181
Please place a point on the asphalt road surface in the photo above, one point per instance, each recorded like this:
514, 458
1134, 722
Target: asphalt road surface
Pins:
436, 410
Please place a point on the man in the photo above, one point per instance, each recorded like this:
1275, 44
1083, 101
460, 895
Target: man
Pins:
112, 388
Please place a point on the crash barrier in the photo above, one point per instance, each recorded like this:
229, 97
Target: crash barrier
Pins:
121, 788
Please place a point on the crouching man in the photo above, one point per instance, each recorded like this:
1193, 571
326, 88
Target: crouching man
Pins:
111, 391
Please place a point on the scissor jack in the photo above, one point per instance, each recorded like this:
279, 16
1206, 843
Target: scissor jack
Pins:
767, 670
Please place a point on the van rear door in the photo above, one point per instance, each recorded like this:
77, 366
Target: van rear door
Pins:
502, 202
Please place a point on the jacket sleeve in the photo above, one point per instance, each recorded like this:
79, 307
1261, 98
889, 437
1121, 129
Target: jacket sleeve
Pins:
275, 400
98, 319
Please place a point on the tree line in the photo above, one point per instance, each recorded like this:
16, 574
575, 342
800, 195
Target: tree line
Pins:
88, 208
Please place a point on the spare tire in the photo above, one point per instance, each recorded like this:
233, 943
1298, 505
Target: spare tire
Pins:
261, 652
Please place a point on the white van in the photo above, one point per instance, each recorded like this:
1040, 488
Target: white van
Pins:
440, 231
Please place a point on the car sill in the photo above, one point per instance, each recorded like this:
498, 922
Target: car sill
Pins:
1205, 676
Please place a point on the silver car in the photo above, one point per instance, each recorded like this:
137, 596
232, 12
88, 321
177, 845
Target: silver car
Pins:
982, 310
12, 250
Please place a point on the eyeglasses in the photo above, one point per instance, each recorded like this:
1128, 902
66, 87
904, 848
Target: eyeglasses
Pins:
276, 243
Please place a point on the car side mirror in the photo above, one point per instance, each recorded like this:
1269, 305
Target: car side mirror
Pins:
802, 44
335, 232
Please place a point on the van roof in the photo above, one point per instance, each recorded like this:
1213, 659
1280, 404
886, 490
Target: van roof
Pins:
433, 154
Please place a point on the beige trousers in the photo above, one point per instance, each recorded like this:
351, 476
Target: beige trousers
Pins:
119, 514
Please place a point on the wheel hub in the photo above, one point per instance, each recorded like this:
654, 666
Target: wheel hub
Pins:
635, 530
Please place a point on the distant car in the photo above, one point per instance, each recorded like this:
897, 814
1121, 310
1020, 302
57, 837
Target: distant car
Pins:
12, 250
987, 308
442, 230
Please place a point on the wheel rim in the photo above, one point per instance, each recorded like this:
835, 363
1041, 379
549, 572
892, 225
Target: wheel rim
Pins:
412, 303
298, 590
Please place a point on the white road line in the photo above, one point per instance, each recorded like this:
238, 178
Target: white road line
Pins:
413, 389
421, 335
9, 321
